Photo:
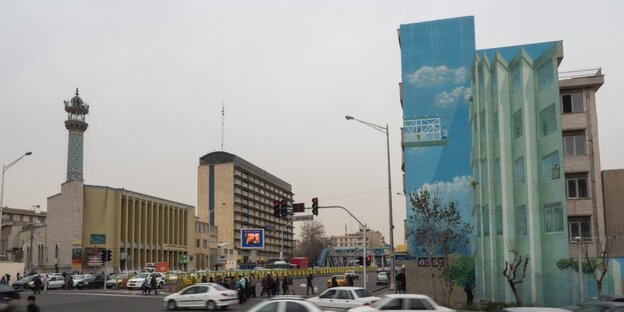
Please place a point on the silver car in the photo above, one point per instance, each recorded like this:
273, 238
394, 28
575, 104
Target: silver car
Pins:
341, 298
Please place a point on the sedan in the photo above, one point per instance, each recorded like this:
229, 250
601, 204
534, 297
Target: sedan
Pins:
382, 278
23, 283
204, 295
404, 302
285, 304
343, 298
90, 281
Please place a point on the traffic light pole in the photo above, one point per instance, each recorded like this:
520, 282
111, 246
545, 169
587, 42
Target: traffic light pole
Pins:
364, 243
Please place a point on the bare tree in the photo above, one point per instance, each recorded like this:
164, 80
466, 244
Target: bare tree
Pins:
511, 270
598, 267
313, 239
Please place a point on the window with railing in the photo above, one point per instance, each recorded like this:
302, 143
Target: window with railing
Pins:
576, 186
579, 227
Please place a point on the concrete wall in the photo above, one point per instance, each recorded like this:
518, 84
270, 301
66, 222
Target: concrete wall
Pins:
418, 280
64, 222
613, 188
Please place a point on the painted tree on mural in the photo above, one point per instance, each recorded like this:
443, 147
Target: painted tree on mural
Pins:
438, 230
598, 266
511, 270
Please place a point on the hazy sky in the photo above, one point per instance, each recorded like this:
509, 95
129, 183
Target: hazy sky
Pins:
157, 72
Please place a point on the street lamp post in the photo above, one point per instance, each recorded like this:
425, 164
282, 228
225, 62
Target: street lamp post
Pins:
580, 267
391, 223
4, 170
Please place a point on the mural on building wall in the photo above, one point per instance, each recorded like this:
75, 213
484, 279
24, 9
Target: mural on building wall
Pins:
436, 58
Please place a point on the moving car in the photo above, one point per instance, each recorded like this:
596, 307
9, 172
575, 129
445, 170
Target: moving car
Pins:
137, 281
117, 281
533, 309
403, 302
342, 298
382, 278
203, 295
340, 279
352, 274
285, 304
23, 283
90, 281
54, 281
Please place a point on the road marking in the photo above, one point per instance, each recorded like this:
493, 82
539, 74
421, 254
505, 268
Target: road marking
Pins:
133, 295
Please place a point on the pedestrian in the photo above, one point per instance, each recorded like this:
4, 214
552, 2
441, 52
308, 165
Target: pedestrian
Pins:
45, 281
37, 284
265, 280
310, 285
3, 280
232, 282
252, 285
247, 288
334, 282
284, 285
144, 285
270, 283
211, 279
32, 307
289, 283
220, 280
275, 287
8, 276
241, 286
154, 285
204, 279
18, 276
468, 289
350, 280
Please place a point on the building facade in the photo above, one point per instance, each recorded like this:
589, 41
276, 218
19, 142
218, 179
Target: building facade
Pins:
206, 247
374, 239
83, 219
613, 191
235, 194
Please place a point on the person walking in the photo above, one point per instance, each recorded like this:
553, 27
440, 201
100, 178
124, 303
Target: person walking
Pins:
241, 285
3, 280
32, 307
291, 289
284, 285
37, 285
334, 282
265, 280
350, 280
310, 285
468, 289
144, 285
252, 285
154, 285
8, 278
204, 279
270, 285
18, 276
45, 281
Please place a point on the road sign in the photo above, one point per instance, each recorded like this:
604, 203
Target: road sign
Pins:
298, 207
303, 218
98, 239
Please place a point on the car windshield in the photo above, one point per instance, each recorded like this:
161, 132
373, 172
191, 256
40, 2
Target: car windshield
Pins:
361, 293
144, 275
78, 277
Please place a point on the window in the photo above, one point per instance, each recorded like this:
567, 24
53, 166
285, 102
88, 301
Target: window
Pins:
519, 170
499, 220
343, 294
553, 218
486, 221
197, 243
550, 167
572, 103
576, 186
271, 307
574, 144
545, 75
547, 120
205, 243
328, 294
419, 304
517, 124
521, 220
515, 80
295, 307
579, 227
393, 304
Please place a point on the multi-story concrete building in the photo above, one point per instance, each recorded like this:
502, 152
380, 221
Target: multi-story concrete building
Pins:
13, 222
234, 194
206, 247
374, 239
581, 159
83, 219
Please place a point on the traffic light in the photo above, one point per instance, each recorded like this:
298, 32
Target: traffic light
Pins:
103, 255
368, 260
109, 255
283, 208
315, 206
276, 208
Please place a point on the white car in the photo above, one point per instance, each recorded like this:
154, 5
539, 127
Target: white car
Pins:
352, 274
202, 295
382, 278
54, 281
137, 281
403, 302
342, 298
285, 304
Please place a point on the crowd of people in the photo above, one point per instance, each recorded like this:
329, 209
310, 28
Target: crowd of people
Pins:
246, 285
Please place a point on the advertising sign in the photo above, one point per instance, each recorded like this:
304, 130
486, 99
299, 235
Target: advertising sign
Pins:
98, 239
76, 257
252, 238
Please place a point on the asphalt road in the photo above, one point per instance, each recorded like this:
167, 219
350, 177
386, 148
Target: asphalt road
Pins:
99, 300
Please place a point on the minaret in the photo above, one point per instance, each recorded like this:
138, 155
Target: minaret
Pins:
76, 110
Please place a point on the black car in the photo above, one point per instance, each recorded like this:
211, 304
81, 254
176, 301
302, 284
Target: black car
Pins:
23, 283
91, 281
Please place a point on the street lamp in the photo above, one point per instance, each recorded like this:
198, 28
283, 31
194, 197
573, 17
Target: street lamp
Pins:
387, 132
580, 267
5, 168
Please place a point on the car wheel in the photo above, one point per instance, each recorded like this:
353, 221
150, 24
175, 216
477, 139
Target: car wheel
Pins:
161, 285
171, 305
211, 305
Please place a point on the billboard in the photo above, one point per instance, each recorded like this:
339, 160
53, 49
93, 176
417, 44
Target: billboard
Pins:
252, 238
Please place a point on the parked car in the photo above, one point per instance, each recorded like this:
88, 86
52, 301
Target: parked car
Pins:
403, 302
285, 304
340, 279
382, 278
203, 295
23, 283
137, 281
343, 298
90, 281
352, 274
54, 281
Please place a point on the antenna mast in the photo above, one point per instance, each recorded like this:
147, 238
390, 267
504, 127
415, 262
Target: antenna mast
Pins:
222, 123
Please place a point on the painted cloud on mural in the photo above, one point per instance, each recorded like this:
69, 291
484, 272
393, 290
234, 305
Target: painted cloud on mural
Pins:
445, 99
457, 190
428, 76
